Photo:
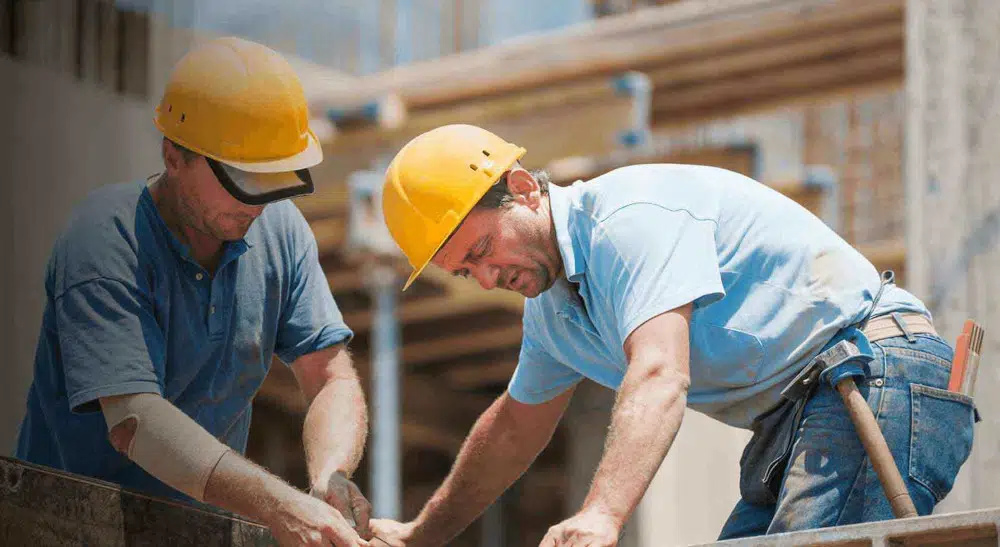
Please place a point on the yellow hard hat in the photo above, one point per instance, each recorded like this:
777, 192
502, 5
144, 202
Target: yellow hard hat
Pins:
433, 183
241, 104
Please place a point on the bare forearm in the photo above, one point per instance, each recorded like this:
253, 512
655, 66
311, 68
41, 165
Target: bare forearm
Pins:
637, 442
335, 429
493, 456
240, 486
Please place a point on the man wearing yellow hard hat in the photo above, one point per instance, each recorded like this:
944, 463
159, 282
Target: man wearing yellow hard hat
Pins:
676, 286
167, 298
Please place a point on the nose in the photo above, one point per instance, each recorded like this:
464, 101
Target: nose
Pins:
487, 276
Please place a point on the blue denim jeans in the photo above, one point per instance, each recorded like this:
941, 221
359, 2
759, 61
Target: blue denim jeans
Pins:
828, 480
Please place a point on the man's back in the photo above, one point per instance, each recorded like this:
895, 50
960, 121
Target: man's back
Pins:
771, 282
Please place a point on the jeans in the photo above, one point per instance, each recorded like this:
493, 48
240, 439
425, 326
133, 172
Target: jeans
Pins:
828, 480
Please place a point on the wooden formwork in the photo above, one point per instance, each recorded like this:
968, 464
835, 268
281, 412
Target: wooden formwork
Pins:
41, 507
968, 529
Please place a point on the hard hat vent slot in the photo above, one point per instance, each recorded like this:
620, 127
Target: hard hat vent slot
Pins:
170, 108
182, 117
486, 153
473, 167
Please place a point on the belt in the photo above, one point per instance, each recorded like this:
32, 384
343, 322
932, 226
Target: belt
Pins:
898, 324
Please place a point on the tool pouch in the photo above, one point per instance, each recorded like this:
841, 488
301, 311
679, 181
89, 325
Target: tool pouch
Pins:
763, 462
762, 466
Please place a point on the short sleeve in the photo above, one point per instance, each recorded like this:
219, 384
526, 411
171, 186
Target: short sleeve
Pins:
649, 260
110, 342
311, 320
539, 377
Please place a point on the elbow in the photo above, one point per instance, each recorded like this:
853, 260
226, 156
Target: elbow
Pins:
122, 434
660, 374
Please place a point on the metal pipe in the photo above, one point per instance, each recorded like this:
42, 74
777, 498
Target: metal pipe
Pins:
386, 471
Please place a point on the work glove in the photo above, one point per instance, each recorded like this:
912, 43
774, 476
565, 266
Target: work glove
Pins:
345, 496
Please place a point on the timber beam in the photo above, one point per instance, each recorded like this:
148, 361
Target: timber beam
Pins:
658, 35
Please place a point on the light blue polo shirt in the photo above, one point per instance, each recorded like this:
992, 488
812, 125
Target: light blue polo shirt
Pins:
129, 311
770, 283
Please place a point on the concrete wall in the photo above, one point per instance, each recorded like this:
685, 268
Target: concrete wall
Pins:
62, 138
953, 134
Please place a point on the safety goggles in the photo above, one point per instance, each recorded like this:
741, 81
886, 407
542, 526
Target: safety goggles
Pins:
261, 188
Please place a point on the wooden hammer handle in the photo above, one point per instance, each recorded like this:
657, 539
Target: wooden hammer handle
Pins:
877, 449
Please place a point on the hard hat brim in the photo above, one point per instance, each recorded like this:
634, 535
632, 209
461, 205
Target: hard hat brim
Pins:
310, 157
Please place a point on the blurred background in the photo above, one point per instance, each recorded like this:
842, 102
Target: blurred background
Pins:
880, 116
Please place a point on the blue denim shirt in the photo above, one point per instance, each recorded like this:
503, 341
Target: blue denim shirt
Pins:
770, 284
129, 311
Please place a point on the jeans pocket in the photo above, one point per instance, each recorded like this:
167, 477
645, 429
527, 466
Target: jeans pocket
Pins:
941, 434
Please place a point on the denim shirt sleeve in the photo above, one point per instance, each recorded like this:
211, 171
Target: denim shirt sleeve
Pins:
647, 259
311, 320
110, 342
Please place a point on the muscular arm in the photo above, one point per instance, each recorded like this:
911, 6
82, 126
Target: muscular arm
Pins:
646, 416
336, 423
501, 446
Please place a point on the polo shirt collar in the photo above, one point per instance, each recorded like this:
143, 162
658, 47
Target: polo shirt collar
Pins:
561, 201
231, 249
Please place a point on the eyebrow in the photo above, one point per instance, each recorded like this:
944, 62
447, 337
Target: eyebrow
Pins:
475, 253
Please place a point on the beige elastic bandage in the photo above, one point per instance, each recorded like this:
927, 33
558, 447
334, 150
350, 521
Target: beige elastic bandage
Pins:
167, 443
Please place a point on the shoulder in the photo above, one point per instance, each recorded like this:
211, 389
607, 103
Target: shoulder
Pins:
101, 238
283, 226
696, 189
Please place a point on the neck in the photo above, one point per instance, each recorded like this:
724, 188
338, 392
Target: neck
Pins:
205, 249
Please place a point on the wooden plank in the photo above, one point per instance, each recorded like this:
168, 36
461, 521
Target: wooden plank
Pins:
45, 507
134, 55
88, 51
568, 170
423, 310
877, 64
432, 418
589, 93
886, 30
581, 131
330, 200
479, 375
615, 45
35, 38
108, 45
330, 233
461, 344
8, 17
975, 527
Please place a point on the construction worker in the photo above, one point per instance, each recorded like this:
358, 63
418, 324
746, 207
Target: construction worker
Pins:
676, 285
167, 298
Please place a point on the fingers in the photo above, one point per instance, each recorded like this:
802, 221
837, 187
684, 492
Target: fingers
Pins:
549, 540
362, 511
339, 497
339, 534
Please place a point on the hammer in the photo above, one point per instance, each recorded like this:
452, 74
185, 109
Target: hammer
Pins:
969, 343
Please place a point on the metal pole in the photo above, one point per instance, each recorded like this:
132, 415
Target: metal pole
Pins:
385, 476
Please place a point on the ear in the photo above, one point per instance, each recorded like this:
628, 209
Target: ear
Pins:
173, 160
523, 186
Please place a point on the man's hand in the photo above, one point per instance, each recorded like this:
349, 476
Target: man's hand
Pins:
309, 522
347, 498
588, 529
392, 533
